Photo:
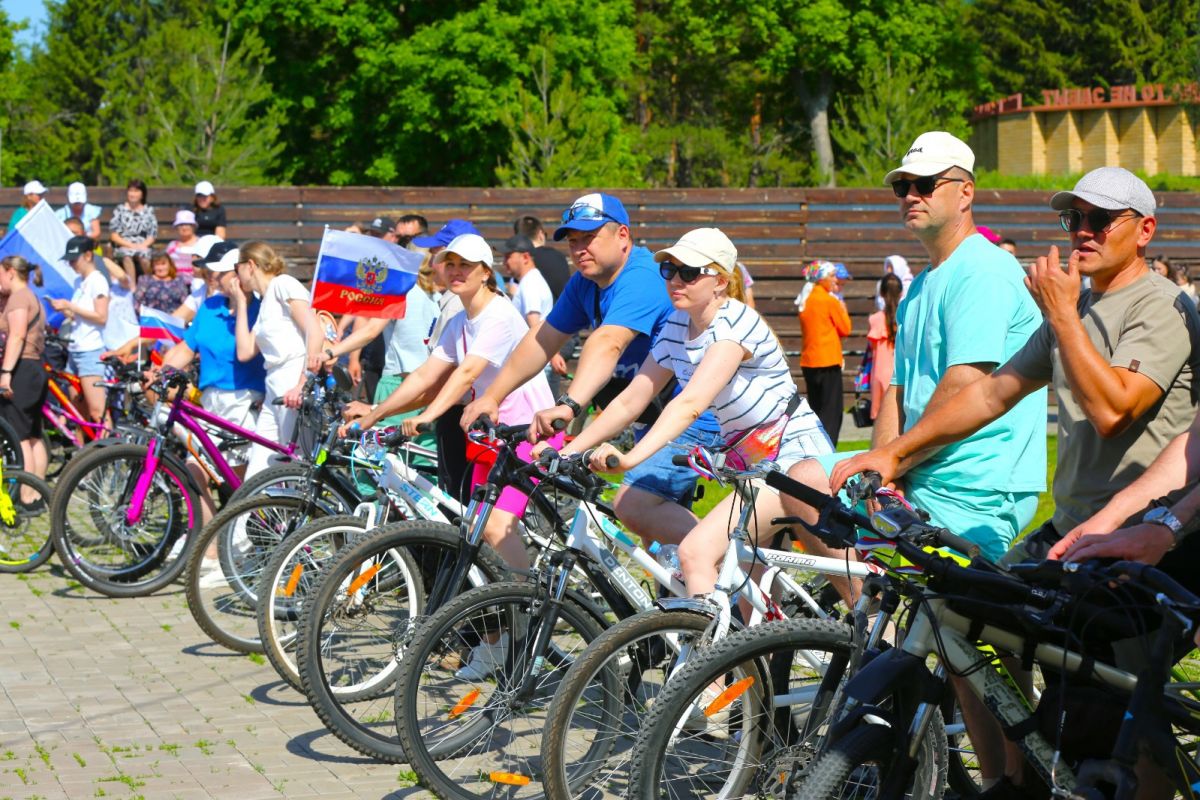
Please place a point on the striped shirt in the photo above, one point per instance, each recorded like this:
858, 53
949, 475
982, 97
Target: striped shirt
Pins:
762, 386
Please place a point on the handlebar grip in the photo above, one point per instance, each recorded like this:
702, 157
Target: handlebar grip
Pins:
680, 460
956, 542
612, 462
278, 401
1157, 580
425, 427
483, 423
796, 489
391, 437
547, 456
559, 424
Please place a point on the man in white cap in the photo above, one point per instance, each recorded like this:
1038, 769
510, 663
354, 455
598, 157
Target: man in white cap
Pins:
33, 193
1120, 358
78, 206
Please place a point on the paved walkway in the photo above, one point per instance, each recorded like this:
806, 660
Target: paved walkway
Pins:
128, 698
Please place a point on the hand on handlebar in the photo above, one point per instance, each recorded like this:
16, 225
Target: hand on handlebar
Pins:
881, 460
480, 407
607, 458
548, 422
294, 397
354, 410
1147, 543
414, 426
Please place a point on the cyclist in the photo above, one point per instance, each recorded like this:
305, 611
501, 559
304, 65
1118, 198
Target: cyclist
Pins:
726, 359
465, 360
284, 333
88, 311
617, 292
23, 381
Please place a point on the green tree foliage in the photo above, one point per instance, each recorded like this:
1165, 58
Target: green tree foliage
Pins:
194, 103
1027, 45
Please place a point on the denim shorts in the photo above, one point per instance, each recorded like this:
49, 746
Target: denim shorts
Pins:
660, 477
86, 362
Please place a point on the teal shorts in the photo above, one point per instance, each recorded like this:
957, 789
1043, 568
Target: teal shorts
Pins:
990, 518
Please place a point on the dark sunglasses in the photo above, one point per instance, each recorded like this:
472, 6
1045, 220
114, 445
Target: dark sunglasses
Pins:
669, 269
925, 185
585, 213
1098, 219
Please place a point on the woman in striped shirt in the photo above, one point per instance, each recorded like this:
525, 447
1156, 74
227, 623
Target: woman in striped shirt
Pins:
725, 358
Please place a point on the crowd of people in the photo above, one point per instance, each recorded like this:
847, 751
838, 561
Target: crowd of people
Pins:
961, 357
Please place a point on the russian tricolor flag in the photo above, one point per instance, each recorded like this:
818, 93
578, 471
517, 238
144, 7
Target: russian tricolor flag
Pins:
160, 325
362, 275
41, 238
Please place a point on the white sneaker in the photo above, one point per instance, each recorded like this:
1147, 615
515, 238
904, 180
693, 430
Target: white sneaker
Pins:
211, 574
485, 659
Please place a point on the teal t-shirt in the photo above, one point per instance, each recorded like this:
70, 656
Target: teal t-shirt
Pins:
973, 308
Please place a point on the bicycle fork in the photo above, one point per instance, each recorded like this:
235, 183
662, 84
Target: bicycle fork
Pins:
133, 514
553, 584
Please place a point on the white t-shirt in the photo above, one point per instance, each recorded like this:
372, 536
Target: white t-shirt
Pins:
448, 305
762, 386
87, 335
492, 336
278, 336
197, 297
533, 295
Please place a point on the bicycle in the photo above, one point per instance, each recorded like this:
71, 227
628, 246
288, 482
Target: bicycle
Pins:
24, 521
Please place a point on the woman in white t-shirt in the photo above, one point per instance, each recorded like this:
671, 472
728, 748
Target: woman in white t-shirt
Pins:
468, 355
285, 329
727, 360
88, 311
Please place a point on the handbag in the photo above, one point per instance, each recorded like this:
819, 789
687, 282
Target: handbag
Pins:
860, 411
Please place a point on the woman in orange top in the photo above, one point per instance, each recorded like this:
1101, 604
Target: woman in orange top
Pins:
824, 322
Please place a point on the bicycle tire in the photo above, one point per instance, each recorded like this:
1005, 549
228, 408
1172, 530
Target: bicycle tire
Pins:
460, 765
836, 769
608, 669
294, 475
10, 447
741, 661
352, 710
88, 521
25, 541
223, 599
289, 577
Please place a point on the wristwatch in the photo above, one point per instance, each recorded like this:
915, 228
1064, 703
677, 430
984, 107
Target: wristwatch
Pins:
565, 400
1163, 516
329, 354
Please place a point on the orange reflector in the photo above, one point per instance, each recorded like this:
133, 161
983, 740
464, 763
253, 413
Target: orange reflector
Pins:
293, 581
465, 703
361, 580
511, 778
728, 696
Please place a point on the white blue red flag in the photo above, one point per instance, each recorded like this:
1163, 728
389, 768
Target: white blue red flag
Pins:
160, 325
362, 275
41, 238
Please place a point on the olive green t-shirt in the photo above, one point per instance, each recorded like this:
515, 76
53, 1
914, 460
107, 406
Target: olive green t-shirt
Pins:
1146, 327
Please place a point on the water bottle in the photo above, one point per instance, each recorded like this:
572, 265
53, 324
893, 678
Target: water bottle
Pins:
668, 557
369, 448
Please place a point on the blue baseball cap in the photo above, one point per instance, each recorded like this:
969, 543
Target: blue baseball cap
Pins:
590, 212
446, 234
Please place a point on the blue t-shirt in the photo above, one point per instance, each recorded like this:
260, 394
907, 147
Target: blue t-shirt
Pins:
637, 300
973, 308
212, 335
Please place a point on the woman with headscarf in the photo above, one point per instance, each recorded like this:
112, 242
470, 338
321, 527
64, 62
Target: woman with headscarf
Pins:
824, 322
898, 266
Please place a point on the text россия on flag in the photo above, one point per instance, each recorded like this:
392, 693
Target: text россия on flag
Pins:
361, 275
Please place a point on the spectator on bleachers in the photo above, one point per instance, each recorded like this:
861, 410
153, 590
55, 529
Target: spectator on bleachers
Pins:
32, 195
79, 207
182, 249
210, 214
133, 228
163, 289
881, 338
824, 322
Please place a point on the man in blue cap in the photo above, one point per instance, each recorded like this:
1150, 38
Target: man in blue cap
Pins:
617, 292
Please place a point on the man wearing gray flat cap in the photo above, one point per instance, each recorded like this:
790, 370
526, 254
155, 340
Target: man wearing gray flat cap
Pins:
1119, 356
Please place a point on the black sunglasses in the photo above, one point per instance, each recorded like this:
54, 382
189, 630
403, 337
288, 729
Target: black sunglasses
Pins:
669, 269
1098, 219
925, 185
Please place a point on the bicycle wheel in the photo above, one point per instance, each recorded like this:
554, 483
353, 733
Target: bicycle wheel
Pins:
855, 765
24, 522
713, 731
94, 536
596, 714
288, 579
472, 698
294, 476
10, 447
962, 769
222, 590
357, 623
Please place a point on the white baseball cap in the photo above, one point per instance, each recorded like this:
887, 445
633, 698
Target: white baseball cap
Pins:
934, 152
205, 188
76, 193
470, 246
204, 244
227, 262
701, 247
34, 187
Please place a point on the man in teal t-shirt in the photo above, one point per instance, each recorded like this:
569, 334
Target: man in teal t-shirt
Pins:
966, 314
